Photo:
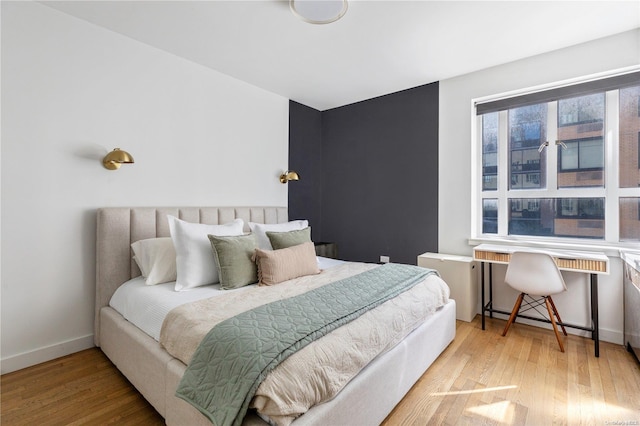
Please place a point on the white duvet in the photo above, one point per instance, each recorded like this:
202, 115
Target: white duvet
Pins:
147, 306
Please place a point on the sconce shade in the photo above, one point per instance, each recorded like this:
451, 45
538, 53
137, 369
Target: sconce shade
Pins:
116, 158
289, 175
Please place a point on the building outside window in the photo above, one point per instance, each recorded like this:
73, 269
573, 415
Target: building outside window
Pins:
527, 130
566, 166
490, 152
629, 163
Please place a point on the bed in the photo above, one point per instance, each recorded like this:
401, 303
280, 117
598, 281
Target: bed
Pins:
366, 399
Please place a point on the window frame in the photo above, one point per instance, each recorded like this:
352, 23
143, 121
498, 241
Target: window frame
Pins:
611, 191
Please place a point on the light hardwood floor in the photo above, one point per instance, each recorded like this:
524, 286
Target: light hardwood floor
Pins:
481, 378
80, 389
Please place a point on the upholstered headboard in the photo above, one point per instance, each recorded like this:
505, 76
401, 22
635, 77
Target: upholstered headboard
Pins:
118, 227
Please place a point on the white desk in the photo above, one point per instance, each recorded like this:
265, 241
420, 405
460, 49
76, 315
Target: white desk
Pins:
592, 263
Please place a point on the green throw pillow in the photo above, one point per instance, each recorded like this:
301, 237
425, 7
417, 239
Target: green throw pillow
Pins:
280, 240
233, 260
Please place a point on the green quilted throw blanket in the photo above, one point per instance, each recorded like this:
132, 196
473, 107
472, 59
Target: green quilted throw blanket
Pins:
238, 353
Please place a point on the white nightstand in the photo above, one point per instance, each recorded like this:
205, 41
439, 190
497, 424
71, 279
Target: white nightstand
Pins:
461, 274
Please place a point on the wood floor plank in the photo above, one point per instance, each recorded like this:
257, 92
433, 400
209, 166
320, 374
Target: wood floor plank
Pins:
482, 378
530, 382
83, 388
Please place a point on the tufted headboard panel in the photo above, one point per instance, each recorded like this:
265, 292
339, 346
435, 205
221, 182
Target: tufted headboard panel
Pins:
118, 227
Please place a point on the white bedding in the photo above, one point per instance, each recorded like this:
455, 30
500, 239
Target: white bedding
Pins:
147, 306
316, 373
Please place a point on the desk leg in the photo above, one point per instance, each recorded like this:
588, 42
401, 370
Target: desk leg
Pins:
491, 290
482, 290
595, 334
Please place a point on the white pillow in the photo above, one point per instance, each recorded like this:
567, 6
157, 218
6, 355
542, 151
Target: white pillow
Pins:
194, 255
261, 229
156, 258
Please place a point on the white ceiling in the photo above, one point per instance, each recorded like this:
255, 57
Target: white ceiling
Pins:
378, 47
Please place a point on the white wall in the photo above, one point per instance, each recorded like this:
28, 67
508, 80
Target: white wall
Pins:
456, 95
71, 91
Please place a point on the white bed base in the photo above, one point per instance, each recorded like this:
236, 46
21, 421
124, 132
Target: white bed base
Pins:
366, 400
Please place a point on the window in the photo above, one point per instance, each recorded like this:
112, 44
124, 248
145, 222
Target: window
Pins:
489, 216
527, 132
629, 218
582, 110
563, 163
557, 217
629, 135
581, 154
490, 152
581, 141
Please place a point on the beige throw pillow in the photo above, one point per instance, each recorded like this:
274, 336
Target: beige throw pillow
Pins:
285, 264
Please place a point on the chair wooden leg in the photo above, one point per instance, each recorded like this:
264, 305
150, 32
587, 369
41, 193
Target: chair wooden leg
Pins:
514, 313
553, 322
555, 311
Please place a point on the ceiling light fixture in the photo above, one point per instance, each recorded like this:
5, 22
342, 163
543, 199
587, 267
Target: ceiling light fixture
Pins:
319, 11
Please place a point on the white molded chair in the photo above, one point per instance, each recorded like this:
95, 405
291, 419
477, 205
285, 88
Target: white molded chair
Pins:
535, 275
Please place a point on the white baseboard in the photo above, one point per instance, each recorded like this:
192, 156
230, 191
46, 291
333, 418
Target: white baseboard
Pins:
612, 336
27, 359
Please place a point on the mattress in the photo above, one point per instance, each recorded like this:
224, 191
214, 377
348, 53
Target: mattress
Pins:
147, 306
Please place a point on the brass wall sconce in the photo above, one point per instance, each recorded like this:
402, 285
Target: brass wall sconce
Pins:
116, 158
289, 175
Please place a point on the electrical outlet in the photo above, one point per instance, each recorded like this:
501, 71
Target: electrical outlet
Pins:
384, 259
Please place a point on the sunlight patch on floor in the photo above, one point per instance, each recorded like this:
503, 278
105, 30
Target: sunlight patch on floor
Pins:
502, 412
603, 412
464, 392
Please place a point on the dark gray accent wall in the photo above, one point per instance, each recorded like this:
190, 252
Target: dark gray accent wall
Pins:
378, 174
305, 157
